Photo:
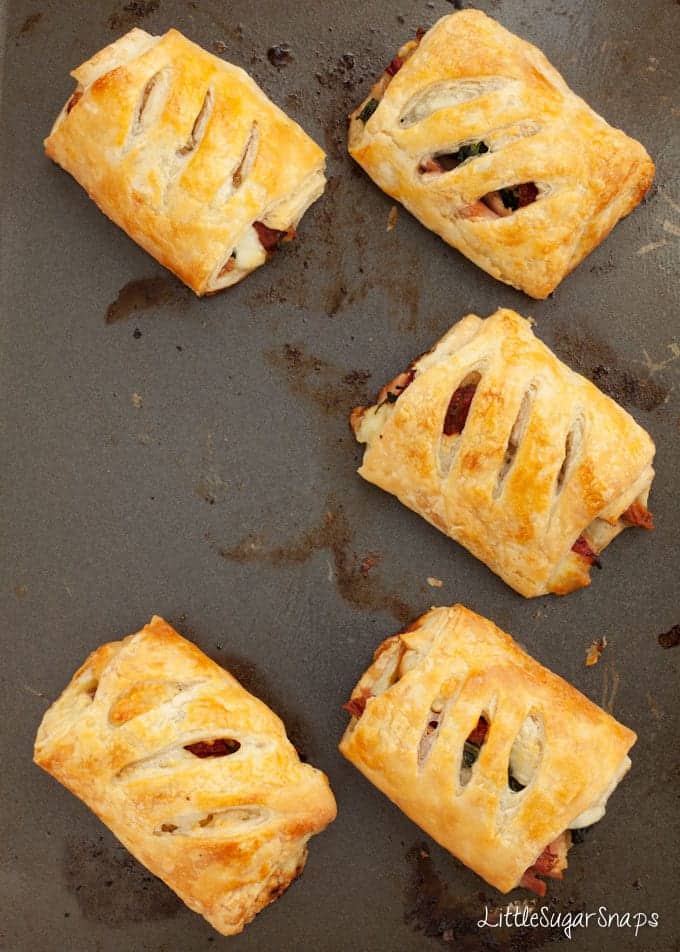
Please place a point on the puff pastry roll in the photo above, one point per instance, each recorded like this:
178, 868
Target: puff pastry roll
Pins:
494, 756
497, 443
195, 776
187, 155
474, 131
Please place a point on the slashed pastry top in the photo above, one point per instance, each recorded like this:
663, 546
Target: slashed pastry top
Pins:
489, 752
496, 442
193, 774
187, 154
478, 135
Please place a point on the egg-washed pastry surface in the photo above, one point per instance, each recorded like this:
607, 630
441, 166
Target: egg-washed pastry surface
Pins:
474, 131
500, 445
187, 155
497, 758
193, 774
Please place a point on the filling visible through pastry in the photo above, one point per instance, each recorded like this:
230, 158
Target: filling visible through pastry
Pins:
188, 155
497, 443
193, 774
464, 662
474, 131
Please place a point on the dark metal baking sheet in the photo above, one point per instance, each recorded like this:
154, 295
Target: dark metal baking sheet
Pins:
206, 497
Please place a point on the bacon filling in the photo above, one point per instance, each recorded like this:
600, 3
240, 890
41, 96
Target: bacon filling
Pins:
447, 161
638, 515
550, 863
582, 548
270, 237
221, 747
357, 705
478, 734
472, 746
502, 202
458, 409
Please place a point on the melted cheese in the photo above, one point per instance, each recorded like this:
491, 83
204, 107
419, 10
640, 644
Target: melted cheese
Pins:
372, 422
249, 251
524, 760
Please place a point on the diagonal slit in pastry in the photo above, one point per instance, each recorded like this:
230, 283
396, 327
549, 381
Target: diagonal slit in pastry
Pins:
239, 820
437, 710
150, 103
572, 444
439, 162
435, 716
247, 160
178, 754
502, 202
142, 697
452, 156
472, 748
200, 125
517, 433
444, 95
526, 753
459, 405
455, 418
216, 747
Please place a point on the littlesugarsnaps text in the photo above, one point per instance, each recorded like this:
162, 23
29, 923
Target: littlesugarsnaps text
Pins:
527, 916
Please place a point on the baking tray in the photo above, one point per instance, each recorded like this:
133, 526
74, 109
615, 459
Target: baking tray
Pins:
192, 458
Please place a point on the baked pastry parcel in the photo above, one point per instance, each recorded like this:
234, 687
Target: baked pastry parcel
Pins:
193, 774
187, 154
497, 443
474, 131
497, 758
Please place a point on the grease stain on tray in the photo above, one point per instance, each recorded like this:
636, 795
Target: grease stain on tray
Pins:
111, 887
142, 294
280, 55
599, 362
353, 277
329, 387
30, 23
670, 638
357, 586
130, 14
431, 908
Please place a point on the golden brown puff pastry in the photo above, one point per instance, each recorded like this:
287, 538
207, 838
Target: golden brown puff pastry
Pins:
475, 132
187, 155
497, 443
489, 752
195, 776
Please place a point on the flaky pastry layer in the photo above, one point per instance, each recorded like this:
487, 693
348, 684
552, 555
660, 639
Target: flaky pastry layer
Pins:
478, 135
536, 471
187, 155
423, 697
193, 774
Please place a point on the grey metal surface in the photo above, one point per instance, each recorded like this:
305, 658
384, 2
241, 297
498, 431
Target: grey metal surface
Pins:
206, 497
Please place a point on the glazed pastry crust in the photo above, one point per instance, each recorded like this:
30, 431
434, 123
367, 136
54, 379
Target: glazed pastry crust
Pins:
227, 833
581, 460
491, 85
471, 668
185, 152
